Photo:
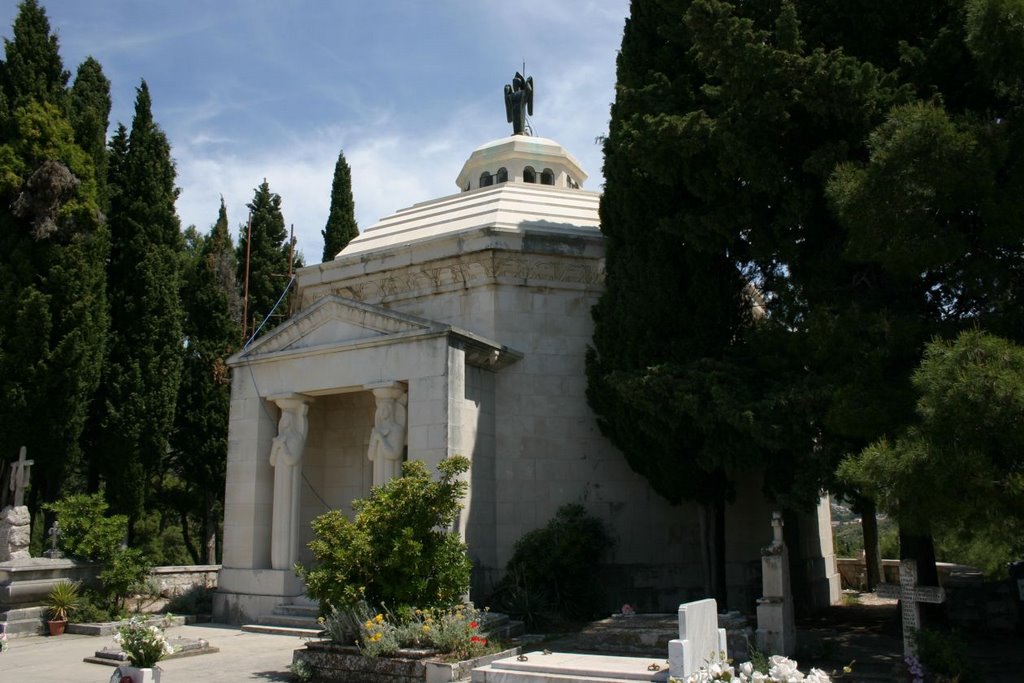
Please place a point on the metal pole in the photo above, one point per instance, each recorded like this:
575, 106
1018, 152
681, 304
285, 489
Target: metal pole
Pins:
248, 250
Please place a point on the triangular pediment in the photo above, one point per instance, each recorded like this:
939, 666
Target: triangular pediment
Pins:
336, 321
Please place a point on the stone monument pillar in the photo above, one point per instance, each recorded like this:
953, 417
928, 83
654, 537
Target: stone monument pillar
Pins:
388, 438
286, 459
15, 530
776, 626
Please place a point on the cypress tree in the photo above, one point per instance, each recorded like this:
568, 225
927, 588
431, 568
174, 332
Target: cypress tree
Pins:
90, 117
53, 248
212, 315
33, 70
268, 261
144, 364
341, 222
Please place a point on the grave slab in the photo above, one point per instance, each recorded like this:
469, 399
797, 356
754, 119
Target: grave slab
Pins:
560, 667
183, 647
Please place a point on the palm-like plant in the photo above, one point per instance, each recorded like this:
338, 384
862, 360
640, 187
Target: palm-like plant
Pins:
63, 600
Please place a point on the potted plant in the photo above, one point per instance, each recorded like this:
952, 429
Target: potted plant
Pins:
62, 600
144, 645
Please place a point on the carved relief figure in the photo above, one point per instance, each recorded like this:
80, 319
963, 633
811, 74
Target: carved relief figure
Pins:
388, 438
286, 459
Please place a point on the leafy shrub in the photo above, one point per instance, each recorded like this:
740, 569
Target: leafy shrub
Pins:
196, 600
87, 533
942, 654
554, 568
397, 550
343, 623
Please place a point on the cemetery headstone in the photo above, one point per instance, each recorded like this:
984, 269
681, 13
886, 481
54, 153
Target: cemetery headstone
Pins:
21, 472
700, 640
776, 625
910, 596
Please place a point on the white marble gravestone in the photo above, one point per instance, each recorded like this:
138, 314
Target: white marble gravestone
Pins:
910, 596
700, 640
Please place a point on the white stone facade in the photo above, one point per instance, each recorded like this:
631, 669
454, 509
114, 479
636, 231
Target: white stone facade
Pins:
477, 305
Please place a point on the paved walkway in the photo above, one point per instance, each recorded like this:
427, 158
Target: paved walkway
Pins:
242, 657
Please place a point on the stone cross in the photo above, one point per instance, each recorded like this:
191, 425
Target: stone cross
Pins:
700, 640
21, 471
54, 533
910, 596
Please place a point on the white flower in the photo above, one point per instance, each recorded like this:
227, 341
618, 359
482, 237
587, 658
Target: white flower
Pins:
817, 676
783, 669
746, 669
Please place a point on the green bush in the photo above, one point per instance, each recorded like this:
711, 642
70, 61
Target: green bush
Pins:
943, 654
553, 569
398, 550
87, 533
197, 600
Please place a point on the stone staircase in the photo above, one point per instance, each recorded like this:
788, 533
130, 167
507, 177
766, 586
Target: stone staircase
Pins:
288, 620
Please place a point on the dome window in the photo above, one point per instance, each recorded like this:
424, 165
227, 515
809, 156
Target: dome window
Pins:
486, 179
502, 175
529, 175
547, 177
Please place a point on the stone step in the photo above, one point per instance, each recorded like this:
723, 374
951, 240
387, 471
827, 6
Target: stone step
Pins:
288, 620
308, 611
281, 630
20, 628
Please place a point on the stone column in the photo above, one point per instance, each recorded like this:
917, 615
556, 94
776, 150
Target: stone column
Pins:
286, 459
388, 438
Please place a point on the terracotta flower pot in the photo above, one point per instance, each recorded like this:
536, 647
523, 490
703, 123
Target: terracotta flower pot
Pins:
57, 627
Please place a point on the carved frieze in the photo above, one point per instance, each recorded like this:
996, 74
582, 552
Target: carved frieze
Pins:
471, 270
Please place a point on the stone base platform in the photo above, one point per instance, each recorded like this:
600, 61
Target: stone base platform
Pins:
558, 667
183, 647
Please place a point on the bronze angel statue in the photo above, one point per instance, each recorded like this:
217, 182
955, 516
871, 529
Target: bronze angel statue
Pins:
519, 103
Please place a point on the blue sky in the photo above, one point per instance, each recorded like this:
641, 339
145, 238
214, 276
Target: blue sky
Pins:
254, 89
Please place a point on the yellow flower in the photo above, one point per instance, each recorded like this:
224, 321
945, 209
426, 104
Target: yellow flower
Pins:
425, 628
376, 636
368, 625
379, 618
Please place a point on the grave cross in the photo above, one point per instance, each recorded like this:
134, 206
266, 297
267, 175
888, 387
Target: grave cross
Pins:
54, 533
20, 473
910, 596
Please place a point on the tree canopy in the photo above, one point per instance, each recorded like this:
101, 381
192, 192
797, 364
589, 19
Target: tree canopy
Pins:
799, 195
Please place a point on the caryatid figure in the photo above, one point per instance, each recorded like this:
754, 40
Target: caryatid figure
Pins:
286, 459
388, 438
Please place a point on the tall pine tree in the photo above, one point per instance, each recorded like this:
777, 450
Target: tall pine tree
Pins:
144, 363
268, 249
212, 315
341, 222
53, 248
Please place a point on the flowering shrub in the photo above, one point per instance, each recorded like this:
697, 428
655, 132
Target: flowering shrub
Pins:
780, 670
454, 631
145, 645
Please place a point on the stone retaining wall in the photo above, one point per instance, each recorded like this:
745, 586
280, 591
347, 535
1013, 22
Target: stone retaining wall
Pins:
176, 580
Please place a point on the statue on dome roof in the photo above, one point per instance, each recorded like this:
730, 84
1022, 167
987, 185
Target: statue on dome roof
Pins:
519, 103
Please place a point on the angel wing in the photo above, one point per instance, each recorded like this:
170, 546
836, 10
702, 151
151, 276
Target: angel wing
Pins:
529, 95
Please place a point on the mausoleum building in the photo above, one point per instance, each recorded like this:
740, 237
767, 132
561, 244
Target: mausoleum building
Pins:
459, 326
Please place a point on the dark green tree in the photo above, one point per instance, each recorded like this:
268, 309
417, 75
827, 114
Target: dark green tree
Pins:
269, 252
33, 70
959, 467
866, 184
90, 117
341, 222
212, 314
144, 364
53, 247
